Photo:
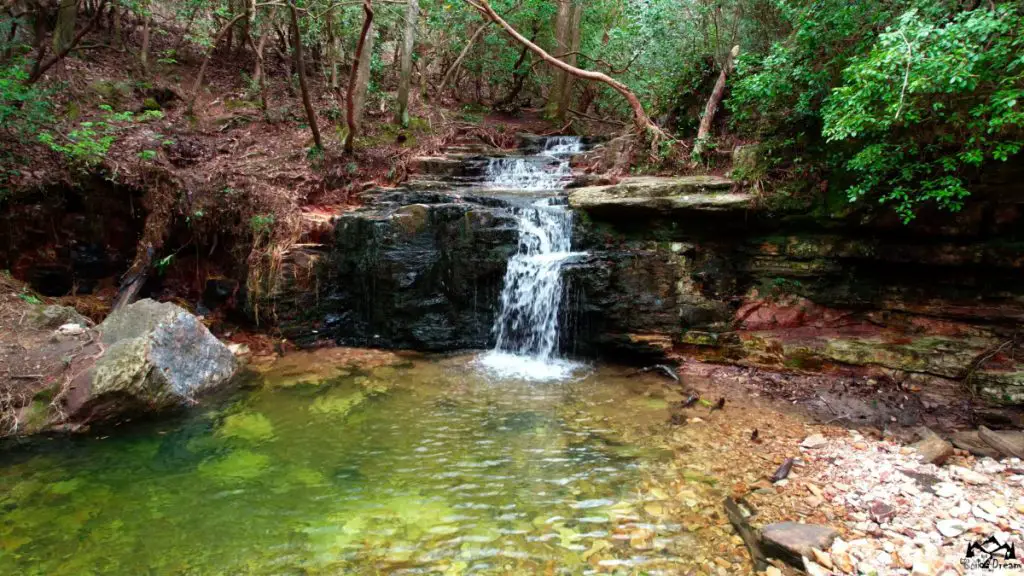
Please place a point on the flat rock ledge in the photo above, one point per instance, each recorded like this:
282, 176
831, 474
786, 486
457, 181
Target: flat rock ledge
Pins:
791, 541
662, 194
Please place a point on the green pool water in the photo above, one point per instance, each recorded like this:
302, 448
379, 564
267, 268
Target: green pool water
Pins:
422, 468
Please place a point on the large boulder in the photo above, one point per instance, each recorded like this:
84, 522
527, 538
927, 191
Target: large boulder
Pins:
156, 356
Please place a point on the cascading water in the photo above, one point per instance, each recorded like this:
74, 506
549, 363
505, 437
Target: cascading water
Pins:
527, 327
549, 170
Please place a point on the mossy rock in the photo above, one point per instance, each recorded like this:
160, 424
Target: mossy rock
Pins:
114, 93
412, 219
151, 104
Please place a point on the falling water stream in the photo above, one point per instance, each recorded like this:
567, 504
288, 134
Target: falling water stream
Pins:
527, 327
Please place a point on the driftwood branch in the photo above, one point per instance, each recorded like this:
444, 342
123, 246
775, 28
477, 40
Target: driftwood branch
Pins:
462, 55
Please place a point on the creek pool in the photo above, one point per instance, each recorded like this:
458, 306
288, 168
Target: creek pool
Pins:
421, 467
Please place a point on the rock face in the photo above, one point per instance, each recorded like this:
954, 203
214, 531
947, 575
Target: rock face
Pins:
660, 195
156, 356
691, 268
412, 270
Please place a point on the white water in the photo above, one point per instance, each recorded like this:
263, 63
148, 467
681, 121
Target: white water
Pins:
527, 327
548, 171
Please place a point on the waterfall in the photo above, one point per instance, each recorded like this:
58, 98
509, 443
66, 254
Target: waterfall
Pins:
549, 170
527, 326
562, 145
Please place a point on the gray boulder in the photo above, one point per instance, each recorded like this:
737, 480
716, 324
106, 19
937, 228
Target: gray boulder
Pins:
157, 356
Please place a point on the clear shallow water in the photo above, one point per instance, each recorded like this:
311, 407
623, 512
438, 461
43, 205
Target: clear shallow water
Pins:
429, 468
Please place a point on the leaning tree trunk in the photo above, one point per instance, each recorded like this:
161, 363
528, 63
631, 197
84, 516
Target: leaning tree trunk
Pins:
405, 78
640, 119
198, 83
300, 65
259, 74
360, 71
462, 55
701, 143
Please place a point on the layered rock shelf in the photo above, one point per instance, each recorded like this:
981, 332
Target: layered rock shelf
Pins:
691, 266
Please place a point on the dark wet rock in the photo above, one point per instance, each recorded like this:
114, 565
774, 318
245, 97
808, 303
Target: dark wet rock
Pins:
416, 269
156, 356
790, 541
219, 292
926, 482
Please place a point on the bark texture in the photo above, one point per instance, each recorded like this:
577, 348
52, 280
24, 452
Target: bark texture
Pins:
359, 78
700, 145
300, 65
412, 13
64, 29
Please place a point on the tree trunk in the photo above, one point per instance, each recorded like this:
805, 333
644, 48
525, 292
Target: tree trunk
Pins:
565, 98
640, 119
144, 51
462, 55
259, 74
117, 36
283, 51
700, 144
259, 49
300, 65
246, 24
231, 30
332, 50
563, 19
40, 68
405, 75
64, 30
518, 75
364, 48
198, 83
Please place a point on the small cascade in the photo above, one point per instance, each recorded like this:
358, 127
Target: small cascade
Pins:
548, 171
527, 326
556, 145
